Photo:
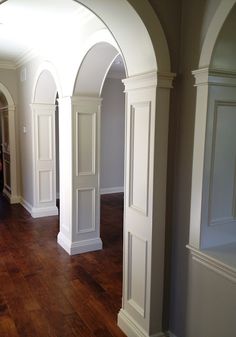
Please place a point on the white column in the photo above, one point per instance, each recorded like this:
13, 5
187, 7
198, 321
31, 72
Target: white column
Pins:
44, 160
80, 207
201, 77
65, 167
145, 197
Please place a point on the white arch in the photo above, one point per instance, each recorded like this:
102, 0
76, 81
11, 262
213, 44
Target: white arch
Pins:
7, 95
213, 31
46, 66
146, 33
13, 196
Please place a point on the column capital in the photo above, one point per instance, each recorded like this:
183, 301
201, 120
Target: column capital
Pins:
147, 80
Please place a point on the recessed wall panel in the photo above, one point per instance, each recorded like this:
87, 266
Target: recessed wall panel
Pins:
85, 210
86, 143
137, 264
45, 186
44, 131
223, 166
139, 155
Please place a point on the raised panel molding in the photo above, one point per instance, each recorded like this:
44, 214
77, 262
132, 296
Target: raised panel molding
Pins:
139, 156
85, 210
217, 128
44, 137
86, 143
45, 187
137, 277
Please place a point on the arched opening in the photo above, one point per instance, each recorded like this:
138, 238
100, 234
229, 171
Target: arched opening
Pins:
45, 110
8, 146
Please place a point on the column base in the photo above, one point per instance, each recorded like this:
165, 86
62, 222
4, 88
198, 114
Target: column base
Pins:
79, 247
132, 328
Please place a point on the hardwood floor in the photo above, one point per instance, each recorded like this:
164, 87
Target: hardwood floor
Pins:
44, 291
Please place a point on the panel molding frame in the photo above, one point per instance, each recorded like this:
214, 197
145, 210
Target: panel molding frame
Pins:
219, 103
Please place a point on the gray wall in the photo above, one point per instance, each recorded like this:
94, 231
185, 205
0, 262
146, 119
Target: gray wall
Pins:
112, 135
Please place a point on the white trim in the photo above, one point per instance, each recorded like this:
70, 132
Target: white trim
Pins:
7, 65
110, 190
80, 246
131, 328
213, 264
26, 205
14, 199
39, 212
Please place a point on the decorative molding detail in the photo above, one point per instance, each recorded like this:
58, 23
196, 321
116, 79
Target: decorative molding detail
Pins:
111, 190
137, 111
39, 212
152, 79
221, 77
137, 282
201, 76
211, 221
74, 248
165, 80
26, 57
131, 328
7, 65
80, 209
213, 264
140, 81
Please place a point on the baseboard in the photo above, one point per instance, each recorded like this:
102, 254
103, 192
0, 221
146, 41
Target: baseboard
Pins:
26, 205
132, 328
40, 212
110, 190
79, 247
14, 199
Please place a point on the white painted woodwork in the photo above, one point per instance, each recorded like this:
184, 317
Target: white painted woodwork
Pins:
213, 200
44, 160
81, 232
144, 214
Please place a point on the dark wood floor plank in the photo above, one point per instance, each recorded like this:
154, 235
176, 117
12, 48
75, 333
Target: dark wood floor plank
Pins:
44, 292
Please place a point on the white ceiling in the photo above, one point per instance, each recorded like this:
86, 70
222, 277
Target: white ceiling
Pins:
25, 24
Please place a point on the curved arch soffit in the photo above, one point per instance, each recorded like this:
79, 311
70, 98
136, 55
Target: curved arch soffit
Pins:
7, 95
216, 24
97, 61
46, 67
142, 52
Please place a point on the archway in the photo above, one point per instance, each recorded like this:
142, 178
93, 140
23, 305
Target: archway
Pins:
44, 152
9, 109
147, 90
204, 77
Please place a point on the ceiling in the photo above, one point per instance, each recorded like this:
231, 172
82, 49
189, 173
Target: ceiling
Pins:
27, 25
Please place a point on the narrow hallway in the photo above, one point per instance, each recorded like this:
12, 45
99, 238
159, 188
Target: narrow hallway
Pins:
44, 291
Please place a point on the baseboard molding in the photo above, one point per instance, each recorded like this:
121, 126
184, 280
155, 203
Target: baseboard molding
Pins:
14, 199
79, 247
132, 328
110, 190
26, 205
39, 212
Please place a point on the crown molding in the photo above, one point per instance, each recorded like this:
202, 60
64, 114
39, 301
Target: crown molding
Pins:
7, 65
